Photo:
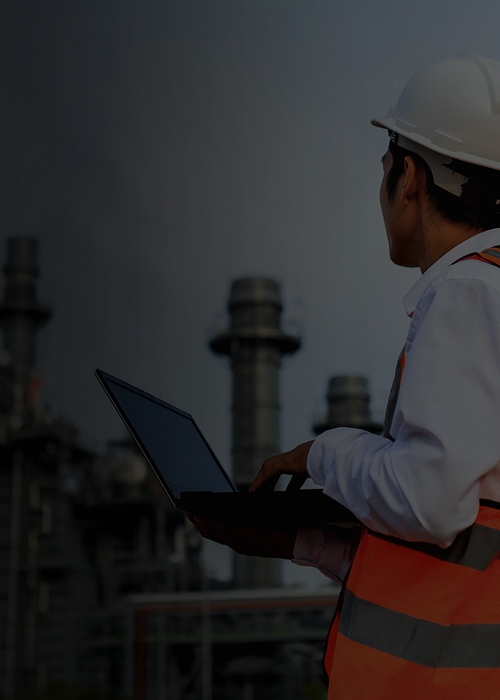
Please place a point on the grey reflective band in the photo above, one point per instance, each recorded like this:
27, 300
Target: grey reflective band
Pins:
419, 641
474, 548
393, 397
492, 251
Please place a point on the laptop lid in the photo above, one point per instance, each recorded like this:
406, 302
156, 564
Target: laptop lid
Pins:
193, 477
170, 440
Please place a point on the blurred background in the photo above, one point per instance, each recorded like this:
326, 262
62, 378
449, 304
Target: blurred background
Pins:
154, 153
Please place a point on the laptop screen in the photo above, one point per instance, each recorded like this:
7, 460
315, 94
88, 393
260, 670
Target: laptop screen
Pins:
172, 442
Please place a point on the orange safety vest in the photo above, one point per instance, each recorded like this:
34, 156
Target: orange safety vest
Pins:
415, 621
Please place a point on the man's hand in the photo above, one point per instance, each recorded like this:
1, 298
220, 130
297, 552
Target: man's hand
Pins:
254, 541
293, 462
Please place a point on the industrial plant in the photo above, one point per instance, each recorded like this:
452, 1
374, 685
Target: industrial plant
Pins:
102, 585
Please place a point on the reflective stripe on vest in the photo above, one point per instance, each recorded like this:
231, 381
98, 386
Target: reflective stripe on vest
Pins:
416, 621
393, 394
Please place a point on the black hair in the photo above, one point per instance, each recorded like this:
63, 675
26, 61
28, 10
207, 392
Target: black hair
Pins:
477, 207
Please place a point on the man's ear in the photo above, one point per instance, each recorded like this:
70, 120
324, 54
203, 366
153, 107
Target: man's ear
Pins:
410, 185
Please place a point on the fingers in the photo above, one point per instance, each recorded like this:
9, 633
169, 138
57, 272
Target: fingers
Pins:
293, 462
209, 529
270, 472
268, 476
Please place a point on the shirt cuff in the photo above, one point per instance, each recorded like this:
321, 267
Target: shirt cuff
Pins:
331, 552
320, 457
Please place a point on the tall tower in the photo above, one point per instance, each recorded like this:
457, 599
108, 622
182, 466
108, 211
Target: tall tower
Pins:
21, 315
348, 405
255, 344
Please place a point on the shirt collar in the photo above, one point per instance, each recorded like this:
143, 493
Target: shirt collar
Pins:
480, 241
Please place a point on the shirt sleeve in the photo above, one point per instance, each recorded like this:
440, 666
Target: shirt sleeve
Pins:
425, 485
331, 552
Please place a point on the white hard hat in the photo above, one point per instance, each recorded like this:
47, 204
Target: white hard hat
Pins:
450, 108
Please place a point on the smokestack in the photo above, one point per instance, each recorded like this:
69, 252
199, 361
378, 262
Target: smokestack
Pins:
255, 345
21, 315
348, 405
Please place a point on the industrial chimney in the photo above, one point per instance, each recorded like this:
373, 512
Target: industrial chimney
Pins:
255, 344
21, 315
348, 405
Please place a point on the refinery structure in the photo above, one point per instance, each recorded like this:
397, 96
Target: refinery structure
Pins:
255, 344
102, 584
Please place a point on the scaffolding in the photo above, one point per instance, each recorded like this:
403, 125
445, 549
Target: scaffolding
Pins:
219, 645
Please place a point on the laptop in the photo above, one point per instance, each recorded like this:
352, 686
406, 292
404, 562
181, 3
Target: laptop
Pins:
194, 479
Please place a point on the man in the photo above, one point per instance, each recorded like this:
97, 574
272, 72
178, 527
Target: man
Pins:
419, 612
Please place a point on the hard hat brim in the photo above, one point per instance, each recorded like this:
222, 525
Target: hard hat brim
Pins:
392, 125
380, 123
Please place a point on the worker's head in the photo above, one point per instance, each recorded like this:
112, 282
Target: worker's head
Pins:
444, 152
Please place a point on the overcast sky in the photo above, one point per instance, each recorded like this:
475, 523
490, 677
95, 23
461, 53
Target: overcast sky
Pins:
159, 150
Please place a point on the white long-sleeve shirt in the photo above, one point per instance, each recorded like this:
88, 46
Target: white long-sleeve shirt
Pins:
426, 485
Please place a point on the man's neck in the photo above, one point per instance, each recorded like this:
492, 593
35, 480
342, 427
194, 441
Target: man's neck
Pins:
440, 236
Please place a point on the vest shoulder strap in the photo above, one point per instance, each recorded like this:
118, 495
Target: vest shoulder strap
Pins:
489, 255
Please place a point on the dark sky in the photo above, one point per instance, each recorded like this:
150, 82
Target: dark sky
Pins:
160, 150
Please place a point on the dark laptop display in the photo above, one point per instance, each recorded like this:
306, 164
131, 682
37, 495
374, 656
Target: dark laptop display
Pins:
194, 479
171, 441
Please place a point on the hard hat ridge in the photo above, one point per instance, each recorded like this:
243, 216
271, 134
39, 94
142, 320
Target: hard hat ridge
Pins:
491, 72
